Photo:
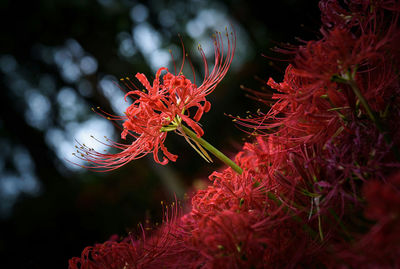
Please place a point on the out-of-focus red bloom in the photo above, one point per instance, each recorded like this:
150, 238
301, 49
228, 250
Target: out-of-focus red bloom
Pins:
380, 246
162, 107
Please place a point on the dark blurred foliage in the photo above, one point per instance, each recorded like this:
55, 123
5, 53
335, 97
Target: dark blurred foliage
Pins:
56, 61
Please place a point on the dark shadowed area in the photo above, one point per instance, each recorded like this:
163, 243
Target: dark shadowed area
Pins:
58, 59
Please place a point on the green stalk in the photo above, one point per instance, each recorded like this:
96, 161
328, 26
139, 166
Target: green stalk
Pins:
212, 149
305, 227
364, 102
381, 127
349, 80
344, 229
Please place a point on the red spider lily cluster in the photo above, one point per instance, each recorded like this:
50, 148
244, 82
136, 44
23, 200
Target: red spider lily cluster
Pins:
320, 186
160, 108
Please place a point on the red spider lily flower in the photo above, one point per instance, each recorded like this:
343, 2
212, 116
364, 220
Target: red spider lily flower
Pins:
340, 52
159, 108
301, 113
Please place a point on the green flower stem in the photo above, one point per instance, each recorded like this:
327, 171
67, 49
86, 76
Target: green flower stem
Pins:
364, 102
381, 127
295, 217
349, 80
212, 149
342, 226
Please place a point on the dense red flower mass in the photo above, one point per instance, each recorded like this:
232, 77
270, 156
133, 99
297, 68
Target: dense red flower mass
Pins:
320, 186
161, 107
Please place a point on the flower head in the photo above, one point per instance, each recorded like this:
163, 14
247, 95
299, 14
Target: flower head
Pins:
162, 107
